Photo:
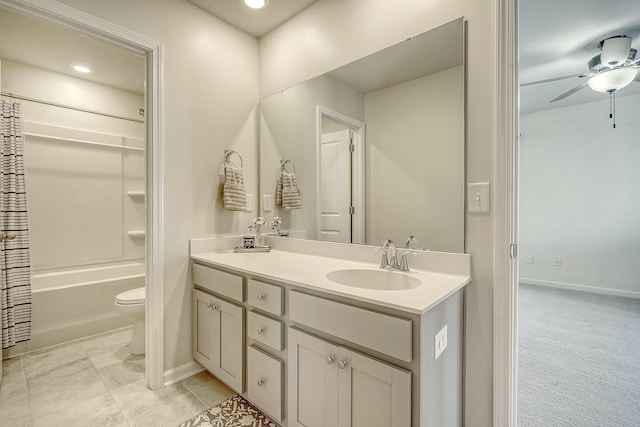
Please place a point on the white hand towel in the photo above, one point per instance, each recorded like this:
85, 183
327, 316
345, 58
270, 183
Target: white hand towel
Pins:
234, 195
279, 189
290, 192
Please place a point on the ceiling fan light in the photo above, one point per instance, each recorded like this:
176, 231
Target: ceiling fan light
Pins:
615, 50
255, 4
612, 80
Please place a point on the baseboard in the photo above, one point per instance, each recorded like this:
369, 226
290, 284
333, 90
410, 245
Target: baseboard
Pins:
581, 288
181, 372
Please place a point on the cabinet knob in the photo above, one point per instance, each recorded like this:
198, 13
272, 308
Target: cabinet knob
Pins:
215, 307
342, 364
260, 331
210, 305
260, 382
261, 297
330, 359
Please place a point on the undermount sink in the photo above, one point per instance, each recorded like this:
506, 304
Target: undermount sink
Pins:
374, 279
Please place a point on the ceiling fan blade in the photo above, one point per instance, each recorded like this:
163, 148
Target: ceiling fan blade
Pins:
637, 79
570, 92
554, 79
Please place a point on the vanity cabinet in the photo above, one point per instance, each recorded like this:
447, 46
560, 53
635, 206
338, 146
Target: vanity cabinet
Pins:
309, 358
218, 338
330, 385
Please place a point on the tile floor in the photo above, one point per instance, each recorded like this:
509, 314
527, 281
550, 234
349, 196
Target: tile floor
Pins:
97, 382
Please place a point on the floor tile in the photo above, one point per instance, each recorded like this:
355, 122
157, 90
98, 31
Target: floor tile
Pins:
12, 375
107, 349
54, 364
123, 373
102, 410
47, 397
14, 405
208, 388
167, 406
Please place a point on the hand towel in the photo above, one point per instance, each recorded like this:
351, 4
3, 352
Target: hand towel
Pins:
234, 196
290, 191
279, 190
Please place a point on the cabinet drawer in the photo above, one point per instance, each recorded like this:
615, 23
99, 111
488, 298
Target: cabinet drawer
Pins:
264, 330
266, 297
380, 332
264, 382
220, 282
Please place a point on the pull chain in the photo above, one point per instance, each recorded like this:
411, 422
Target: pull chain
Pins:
612, 107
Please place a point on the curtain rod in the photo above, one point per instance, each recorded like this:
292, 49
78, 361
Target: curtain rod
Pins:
54, 104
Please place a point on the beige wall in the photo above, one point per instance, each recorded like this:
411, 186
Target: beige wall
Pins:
209, 89
415, 162
332, 33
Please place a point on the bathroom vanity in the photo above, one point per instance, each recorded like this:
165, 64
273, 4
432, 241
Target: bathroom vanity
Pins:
309, 350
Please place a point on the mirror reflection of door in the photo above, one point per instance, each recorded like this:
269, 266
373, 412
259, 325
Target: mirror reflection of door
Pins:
341, 191
335, 185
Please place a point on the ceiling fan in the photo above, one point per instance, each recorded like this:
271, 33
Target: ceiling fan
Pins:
616, 67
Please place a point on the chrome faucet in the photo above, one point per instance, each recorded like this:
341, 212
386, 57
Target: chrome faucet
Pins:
389, 249
408, 246
390, 254
275, 226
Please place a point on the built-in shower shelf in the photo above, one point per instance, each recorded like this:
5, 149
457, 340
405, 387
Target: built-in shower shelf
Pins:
136, 234
137, 196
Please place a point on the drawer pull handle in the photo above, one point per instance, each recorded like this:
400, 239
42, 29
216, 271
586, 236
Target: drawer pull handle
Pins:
330, 360
261, 297
260, 382
260, 331
342, 364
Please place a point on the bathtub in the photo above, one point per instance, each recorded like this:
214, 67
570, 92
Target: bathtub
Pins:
78, 302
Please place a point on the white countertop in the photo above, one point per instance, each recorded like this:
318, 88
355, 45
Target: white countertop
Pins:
310, 271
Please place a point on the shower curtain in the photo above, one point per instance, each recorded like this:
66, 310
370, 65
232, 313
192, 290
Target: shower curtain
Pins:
15, 266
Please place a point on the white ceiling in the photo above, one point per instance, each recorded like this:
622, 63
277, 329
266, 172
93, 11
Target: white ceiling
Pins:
558, 37
255, 22
54, 47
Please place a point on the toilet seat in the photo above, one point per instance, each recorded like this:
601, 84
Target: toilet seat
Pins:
131, 297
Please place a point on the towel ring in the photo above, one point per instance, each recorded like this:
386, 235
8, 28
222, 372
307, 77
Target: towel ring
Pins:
283, 164
228, 153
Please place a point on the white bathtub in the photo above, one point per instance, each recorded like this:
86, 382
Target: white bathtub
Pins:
75, 303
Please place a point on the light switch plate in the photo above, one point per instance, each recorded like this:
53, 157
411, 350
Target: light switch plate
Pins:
267, 203
479, 198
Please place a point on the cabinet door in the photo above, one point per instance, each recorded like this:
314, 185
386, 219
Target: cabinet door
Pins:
228, 344
203, 328
372, 393
313, 381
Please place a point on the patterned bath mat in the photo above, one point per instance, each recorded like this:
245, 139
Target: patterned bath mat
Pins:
233, 412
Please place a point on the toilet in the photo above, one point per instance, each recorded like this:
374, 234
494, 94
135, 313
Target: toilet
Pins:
132, 304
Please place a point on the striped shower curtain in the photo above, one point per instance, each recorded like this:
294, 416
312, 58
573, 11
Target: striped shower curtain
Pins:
15, 266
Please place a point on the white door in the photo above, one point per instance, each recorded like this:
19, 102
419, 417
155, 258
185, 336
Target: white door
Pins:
372, 393
313, 381
335, 187
227, 345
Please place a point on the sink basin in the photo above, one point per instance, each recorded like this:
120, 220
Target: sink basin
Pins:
374, 279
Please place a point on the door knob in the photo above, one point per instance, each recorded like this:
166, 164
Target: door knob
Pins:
342, 364
330, 359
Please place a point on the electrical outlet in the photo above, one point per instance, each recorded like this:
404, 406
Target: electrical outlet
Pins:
528, 259
557, 261
440, 341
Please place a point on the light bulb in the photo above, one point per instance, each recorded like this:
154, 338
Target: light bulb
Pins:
255, 4
81, 68
612, 80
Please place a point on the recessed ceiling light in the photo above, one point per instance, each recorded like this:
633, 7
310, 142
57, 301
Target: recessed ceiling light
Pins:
255, 4
81, 68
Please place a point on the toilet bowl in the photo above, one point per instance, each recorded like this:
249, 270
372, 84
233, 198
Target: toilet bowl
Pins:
132, 304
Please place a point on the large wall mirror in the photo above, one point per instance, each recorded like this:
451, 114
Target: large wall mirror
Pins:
373, 150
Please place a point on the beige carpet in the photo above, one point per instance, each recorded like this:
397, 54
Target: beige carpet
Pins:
579, 359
